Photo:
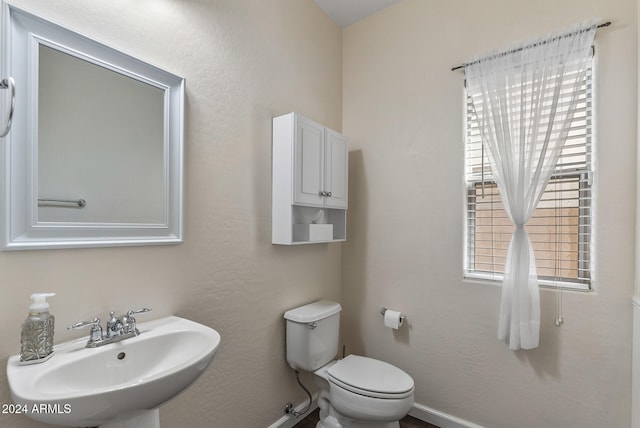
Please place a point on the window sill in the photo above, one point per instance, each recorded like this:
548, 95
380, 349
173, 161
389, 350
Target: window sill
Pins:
496, 279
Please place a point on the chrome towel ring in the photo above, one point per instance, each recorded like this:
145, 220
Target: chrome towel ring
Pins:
9, 83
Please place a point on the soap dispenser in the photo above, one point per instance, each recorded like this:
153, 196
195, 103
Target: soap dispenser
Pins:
37, 331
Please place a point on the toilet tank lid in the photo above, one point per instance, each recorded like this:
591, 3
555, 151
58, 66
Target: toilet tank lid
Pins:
313, 311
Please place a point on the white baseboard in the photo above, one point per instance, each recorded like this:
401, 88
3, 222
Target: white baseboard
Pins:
288, 421
441, 419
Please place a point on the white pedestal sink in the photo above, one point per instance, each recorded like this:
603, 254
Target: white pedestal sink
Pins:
120, 385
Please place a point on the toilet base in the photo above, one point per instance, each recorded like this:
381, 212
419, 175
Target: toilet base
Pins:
331, 422
330, 418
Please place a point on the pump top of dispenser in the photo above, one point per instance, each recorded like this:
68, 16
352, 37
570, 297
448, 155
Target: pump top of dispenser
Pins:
39, 302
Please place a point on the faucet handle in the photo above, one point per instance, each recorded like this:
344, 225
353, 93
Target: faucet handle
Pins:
83, 324
129, 322
96, 329
138, 311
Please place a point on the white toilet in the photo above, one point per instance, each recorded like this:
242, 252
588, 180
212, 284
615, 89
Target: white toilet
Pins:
355, 392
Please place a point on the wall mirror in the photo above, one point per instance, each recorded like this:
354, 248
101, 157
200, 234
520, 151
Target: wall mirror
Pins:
94, 153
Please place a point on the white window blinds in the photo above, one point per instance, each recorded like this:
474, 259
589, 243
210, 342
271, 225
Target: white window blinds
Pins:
560, 229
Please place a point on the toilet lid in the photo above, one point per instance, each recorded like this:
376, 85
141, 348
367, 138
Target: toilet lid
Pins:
362, 375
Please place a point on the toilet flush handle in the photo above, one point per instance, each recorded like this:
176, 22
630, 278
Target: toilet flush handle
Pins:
311, 325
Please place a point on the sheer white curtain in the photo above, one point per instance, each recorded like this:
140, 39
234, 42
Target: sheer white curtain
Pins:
524, 102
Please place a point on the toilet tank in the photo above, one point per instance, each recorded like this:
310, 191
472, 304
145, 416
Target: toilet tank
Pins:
312, 334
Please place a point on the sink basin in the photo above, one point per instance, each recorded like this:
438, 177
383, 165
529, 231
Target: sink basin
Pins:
81, 386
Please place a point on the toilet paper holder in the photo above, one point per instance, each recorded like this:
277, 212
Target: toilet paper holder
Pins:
402, 317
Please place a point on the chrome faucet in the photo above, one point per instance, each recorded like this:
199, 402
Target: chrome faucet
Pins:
117, 329
114, 326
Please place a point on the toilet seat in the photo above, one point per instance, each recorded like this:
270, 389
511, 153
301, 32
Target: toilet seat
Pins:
371, 378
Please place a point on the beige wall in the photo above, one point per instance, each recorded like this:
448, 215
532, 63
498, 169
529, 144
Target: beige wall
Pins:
403, 112
244, 61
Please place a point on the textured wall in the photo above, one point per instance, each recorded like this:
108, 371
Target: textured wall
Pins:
403, 112
244, 61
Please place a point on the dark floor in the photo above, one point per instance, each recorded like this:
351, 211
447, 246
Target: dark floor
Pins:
407, 422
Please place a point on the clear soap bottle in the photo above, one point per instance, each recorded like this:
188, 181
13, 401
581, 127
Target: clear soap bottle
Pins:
36, 338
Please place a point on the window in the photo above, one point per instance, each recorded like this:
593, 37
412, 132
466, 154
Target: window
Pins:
560, 229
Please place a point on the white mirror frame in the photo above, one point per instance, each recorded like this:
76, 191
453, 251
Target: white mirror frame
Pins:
22, 35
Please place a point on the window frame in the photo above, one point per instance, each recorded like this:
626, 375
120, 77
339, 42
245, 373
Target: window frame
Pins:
585, 223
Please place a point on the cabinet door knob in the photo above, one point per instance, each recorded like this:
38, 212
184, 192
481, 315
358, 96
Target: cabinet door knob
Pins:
323, 194
329, 194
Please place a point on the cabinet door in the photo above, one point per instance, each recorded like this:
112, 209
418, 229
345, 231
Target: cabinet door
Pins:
308, 174
336, 169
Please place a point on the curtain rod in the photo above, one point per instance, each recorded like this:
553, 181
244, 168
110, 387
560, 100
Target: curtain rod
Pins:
606, 24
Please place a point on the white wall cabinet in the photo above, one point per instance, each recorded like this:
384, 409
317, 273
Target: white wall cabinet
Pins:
310, 173
321, 162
